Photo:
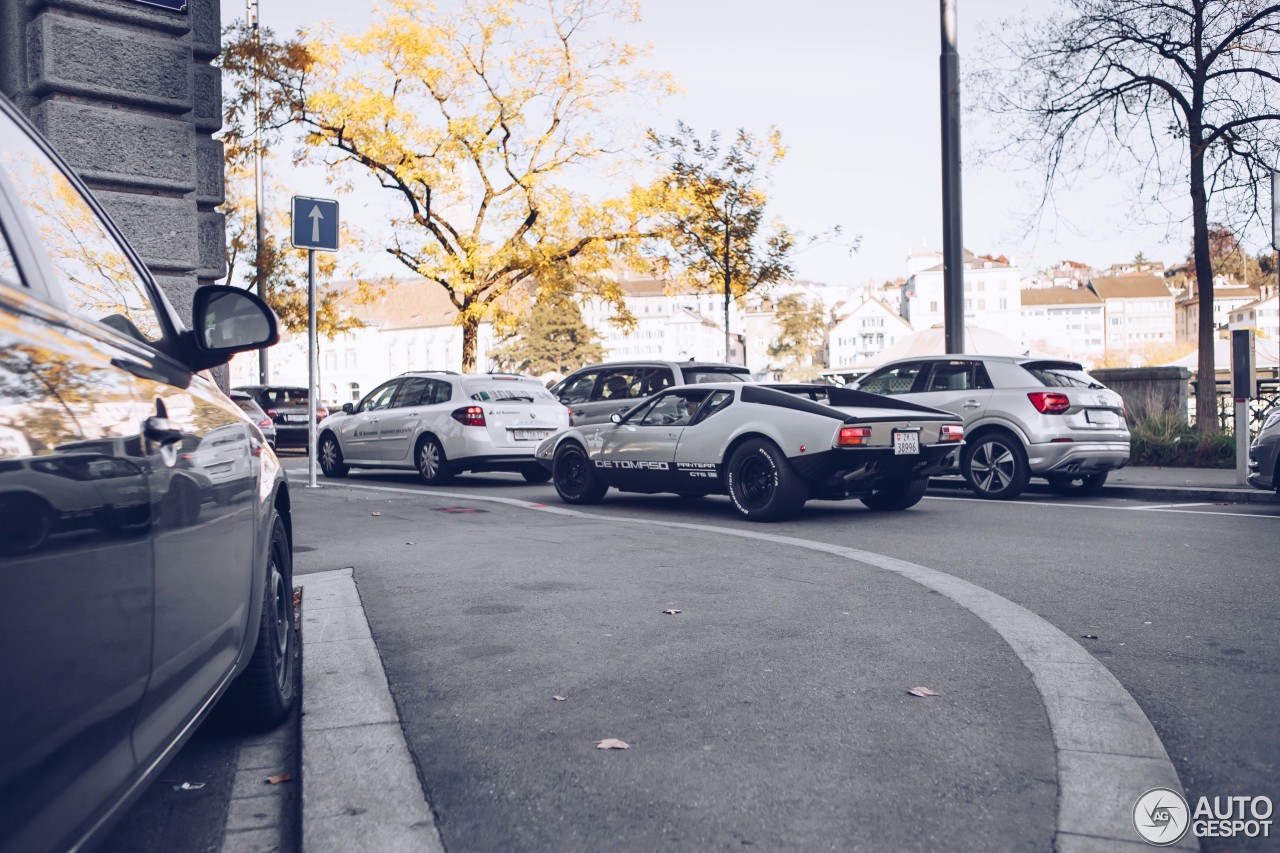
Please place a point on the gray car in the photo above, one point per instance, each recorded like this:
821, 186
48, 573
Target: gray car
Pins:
594, 393
1264, 454
1023, 417
255, 413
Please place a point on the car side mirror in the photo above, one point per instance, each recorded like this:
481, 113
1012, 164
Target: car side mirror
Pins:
228, 320
616, 418
348, 408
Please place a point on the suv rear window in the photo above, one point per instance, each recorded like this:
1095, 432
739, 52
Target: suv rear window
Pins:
1061, 375
698, 375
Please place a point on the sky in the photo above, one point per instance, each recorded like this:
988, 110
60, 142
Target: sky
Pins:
854, 89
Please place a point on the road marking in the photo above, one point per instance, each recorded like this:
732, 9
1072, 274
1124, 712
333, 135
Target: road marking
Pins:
1156, 508
1102, 739
362, 790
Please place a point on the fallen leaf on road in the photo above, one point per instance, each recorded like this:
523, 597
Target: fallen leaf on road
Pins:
1088, 636
612, 743
375, 513
189, 786
558, 698
922, 692
672, 612
278, 778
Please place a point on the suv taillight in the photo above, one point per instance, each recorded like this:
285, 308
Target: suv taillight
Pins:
951, 432
1049, 402
321, 413
469, 416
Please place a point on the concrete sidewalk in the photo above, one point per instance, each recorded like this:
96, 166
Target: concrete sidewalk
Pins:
1160, 484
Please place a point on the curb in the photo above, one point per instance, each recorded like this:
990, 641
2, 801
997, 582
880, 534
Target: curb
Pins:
1141, 493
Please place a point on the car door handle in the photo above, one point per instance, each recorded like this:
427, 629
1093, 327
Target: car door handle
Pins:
579, 411
971, 404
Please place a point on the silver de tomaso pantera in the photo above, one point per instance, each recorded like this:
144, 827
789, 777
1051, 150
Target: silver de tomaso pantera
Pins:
768, 449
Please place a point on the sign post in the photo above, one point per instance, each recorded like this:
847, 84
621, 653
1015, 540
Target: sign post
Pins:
314, 228
1242, 384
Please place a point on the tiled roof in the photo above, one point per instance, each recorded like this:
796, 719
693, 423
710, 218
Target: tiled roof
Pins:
1060, 296
1130, 287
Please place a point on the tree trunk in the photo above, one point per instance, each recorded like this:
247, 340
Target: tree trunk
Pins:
1206, 371
470, 332
728, 291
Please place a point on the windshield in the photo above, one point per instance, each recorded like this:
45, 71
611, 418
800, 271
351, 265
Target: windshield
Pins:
526, 391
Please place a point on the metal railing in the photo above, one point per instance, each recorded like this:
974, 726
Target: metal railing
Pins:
1266, 397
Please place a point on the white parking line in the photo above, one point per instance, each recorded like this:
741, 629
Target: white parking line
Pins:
1099, 731
1155, 508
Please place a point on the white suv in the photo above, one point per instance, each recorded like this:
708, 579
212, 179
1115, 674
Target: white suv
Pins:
443, 423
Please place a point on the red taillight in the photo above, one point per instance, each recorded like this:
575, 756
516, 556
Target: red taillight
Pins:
264, 422
321, 414
570, 411
271, 413
1049, 402
469, 416
851, 436
951, 432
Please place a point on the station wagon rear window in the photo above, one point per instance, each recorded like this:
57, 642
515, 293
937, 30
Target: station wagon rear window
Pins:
522, 391
698, 375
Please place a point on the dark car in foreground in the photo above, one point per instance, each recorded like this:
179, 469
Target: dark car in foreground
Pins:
145, 532
1264, 454
769, 450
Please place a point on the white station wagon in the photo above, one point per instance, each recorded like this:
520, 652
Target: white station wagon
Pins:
444, 423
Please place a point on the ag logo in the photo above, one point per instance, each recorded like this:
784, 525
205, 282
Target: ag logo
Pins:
1161, 817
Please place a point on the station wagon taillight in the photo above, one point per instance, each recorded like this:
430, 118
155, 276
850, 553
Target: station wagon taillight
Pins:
853, 436
1049, 402
469, 416
951, 432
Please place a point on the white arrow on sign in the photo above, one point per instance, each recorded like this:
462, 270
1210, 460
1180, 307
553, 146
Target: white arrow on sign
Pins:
315, 216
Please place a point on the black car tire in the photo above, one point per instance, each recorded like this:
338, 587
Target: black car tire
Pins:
898, 495
25, 523
433, 466
1078, 485
264, 693
182, 502
535, 473
575, 478
330, 454
762, 484
995, 466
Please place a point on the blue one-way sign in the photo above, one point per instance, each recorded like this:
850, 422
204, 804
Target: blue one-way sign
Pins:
315, 223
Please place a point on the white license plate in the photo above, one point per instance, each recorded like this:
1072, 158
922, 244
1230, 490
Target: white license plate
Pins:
295, 419
906, 443
530, 434
1102, 418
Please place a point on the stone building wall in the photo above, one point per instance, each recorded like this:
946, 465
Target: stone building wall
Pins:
125, 91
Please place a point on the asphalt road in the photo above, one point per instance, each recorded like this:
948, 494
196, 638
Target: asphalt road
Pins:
772, 711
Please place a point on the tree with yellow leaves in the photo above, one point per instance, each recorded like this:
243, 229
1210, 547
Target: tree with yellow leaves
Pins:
478, 121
